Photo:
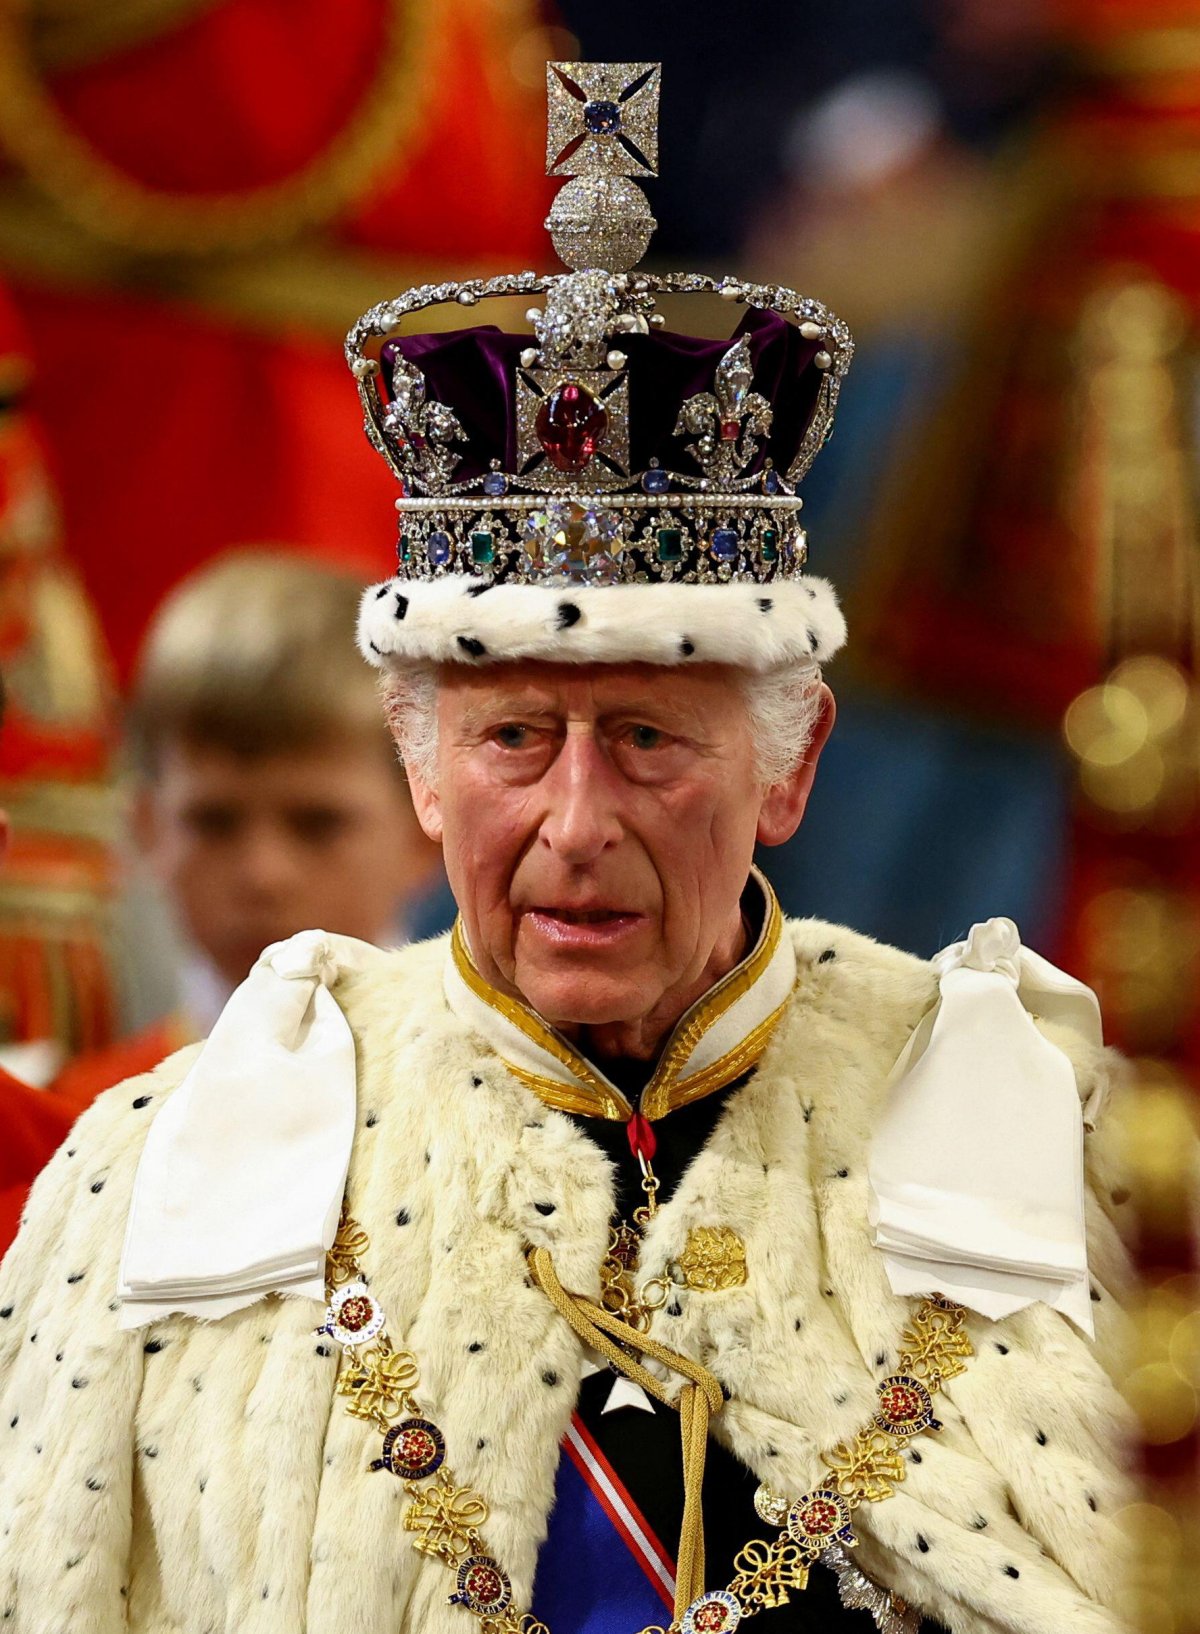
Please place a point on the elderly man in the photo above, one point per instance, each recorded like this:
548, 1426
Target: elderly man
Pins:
633, 1259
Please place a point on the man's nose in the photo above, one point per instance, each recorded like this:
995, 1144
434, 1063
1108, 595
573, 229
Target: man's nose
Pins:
582, 817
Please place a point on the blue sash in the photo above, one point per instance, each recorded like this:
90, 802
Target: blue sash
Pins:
601, 1570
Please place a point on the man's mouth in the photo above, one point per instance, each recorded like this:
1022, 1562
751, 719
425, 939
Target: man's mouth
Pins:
584, 916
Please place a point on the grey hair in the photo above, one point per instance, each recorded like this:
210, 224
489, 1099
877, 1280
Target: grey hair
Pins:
783, 705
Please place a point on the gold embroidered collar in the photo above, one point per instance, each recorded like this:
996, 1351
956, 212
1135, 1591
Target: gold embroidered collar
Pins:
719, 1038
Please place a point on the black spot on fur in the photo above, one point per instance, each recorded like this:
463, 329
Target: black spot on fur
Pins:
59, 1356
402, 1217
74, 1561
97, 1186
1091, 1503
476, 1081
828, 1292
1041, 1438
881, 1359
202, 1482
33, 1338
1011, 1571
401, 606
76, 1276
381, 592
372, 1120
476, 1346
829, 953
674, 1308
1003, 1349
378, 651
153, 1347
481, 1443
841, 1398
71, 1150
979, 1522
550, 1377
799, 1323
686, 647
842, 1174
14, 1421
142, 1100
545, 1208
765, 604
727, 1395
472, 647
78, 1384
922, 1544
322, 1350
478, 589
812, 640
535, 1125
1095, 1296
808, 1112
198, 1384
568, 614
6, 1312
93, 1485
916, 1456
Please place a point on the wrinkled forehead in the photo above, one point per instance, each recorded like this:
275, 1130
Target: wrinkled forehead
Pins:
706, 691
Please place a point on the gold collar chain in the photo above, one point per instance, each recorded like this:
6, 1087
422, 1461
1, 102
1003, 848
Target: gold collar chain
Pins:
447, 1520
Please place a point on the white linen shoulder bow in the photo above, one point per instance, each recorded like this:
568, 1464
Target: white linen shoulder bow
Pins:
976, 1168
240, 1182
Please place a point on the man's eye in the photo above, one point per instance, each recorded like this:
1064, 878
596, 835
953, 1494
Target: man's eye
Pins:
512, 736
646, 737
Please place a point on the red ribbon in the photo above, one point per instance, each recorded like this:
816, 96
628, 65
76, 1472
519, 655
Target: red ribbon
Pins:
641, 1137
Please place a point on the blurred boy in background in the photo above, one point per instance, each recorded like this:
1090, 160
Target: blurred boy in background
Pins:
269, 798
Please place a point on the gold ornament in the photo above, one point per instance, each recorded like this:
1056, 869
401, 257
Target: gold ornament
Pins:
351, 1241
765, 1573
380, 1385
866, 1468
933, 1343
713, 1260
446, 1518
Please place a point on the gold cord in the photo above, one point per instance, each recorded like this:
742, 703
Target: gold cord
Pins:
699, 1399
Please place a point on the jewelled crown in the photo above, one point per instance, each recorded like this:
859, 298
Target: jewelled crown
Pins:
646, 479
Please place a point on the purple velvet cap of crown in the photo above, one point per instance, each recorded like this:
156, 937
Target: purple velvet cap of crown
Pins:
473, 371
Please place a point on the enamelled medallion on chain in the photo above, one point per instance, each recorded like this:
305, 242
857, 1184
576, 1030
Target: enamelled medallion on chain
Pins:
447, 1520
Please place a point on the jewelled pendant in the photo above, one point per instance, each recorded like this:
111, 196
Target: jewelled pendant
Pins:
905, 1406
483, 1586
713, 1613
818, 1519
353, 1316
413, 1449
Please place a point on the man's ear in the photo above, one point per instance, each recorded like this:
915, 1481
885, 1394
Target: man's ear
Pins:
426, 803
784, 803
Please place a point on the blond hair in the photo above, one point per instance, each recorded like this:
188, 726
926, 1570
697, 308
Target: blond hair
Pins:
254, 654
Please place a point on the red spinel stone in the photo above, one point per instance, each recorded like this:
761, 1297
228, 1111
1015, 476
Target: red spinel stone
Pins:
571, 425
729, 431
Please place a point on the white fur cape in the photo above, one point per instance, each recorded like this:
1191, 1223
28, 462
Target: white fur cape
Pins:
204, 1479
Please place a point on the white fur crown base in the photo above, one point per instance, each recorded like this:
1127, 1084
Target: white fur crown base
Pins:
458, 619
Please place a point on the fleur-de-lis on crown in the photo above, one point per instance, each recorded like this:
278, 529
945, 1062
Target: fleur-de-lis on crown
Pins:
728, 420
421, 428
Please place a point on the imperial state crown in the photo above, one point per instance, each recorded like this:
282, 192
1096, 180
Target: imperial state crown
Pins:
601, 488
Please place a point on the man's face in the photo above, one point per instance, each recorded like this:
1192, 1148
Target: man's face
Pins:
253, 848
598, 824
